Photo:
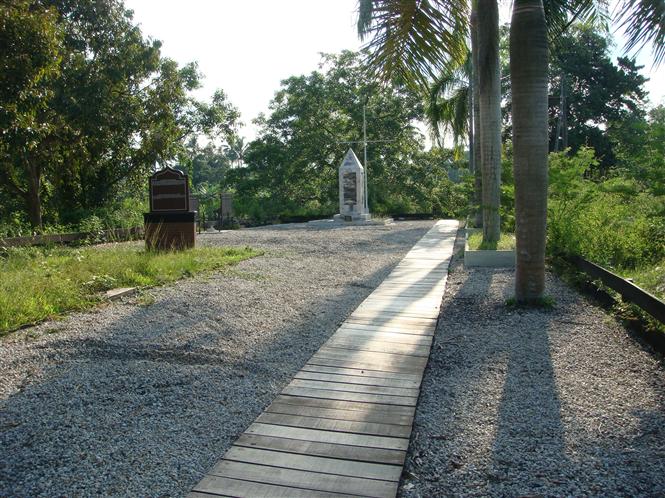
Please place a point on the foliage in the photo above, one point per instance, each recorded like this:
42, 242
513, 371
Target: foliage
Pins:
603, 98
414, 41
291, 168
643, 157
611, 222
39, 283
92, 107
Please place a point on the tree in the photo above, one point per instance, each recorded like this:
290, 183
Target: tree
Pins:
601, 97
30, 61
489, 91
97, 108
415, 40
528, 78
291, 168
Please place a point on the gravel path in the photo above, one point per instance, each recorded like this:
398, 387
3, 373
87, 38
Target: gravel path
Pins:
133, 399
535, 403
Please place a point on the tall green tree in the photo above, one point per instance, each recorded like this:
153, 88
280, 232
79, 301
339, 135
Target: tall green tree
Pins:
31, 131
109, 106
417, 39
601, 97
528, 78
291, 168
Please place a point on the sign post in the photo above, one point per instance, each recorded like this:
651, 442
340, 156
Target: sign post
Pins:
170, 224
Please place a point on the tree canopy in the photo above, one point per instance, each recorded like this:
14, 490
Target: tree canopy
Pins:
89, 106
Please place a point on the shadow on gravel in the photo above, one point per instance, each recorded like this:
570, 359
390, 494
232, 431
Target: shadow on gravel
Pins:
493, 389
147, 415
529, 442
519, 402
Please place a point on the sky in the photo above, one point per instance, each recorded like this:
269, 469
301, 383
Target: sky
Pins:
247, 47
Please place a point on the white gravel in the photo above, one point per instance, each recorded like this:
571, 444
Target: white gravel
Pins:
535, 403
140, 400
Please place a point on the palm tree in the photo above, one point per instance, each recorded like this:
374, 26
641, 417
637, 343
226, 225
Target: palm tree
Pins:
418, 38
528, 79
414, 39
451, 106
489, 91
235, 150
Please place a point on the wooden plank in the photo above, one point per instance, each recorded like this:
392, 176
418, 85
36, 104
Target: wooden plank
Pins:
363, 373
196, 494
313, 463
388, 293
363, 344
353, 379
629, 291
372, 357
384, 399
331, 450
403, 301
398, 327
303, 479
345, 405
390, 317
379, 417
339, 386
380, 364
386, 443
378, 334
375, 367
327, 424
378, 326
222, 486
412, 312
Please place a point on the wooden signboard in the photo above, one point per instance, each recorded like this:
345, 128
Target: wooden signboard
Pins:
169, 191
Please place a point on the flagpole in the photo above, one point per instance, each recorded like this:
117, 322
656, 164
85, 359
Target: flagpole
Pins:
365, 157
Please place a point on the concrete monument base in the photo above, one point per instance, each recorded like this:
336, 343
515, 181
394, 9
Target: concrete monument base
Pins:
353, 217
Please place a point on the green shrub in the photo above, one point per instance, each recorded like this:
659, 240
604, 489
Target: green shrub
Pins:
610, 222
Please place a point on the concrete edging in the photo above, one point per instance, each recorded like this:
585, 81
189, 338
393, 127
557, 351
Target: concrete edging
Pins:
486, 259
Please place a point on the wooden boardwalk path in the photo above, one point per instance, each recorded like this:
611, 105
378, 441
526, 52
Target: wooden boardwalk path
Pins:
342, 426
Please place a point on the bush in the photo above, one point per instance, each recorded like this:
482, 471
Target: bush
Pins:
609, 222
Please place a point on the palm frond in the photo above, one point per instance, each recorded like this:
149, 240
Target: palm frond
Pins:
560, 14
414, 40
644, 22
448, 105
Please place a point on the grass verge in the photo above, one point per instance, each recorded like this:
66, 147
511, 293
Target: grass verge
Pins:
41, 283
506, 242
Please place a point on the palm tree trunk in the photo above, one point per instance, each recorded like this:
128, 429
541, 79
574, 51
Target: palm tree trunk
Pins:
478, 181
489, 79
528, 78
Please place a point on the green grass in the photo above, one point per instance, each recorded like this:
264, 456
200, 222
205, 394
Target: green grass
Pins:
40, 283
505, 243
651, 279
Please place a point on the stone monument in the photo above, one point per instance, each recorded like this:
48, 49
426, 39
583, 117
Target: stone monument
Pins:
352, 195
170, 224
226, 209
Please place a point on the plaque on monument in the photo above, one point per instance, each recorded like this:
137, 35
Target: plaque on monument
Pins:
169, 191
350, 191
